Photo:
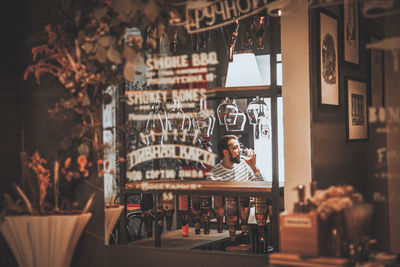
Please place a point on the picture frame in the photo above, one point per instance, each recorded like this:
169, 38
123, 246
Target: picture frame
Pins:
356, 110
328, 58
351, 37
376, 71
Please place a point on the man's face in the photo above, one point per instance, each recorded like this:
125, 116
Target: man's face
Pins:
234, 151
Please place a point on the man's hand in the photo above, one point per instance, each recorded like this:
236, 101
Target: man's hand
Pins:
252, 161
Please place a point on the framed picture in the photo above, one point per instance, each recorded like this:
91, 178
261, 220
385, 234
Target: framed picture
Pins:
351, 33
376, 67
328, 60
356, 110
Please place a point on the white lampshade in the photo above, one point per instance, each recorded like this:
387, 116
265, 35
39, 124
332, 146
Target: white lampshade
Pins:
248, 70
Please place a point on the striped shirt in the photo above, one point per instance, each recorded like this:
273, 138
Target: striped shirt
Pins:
240, 172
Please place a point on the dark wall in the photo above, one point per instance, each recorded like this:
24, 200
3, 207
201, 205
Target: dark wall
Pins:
10, 106
334, 160
27, 126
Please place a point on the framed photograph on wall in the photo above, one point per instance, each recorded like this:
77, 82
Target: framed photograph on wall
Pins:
328, 60
356, 110
351, 42
376, 67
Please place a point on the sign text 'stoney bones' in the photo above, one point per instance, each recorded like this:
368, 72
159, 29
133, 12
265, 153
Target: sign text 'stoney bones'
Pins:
158, 96
171, 151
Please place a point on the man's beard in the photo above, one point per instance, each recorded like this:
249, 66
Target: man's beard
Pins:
232, 159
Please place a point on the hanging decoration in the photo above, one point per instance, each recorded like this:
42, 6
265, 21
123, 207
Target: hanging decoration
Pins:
230, 34
240, 121
257, 112
228, 106
156, 125
178, 121
204, 120
260, 25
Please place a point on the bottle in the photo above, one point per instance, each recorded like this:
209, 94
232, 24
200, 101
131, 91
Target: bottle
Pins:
219, 209
183, 211
244, 208
146, 205
160, 214
195, 211
313, 188
232, 216
205, 204
168, 207
261, 216
300, 206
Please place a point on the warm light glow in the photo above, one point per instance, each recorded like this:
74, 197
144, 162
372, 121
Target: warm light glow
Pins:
279, 12
248, 70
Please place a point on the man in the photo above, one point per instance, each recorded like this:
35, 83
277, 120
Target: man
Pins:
232, 167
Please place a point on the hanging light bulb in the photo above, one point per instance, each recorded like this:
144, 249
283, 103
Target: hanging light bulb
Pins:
224, 109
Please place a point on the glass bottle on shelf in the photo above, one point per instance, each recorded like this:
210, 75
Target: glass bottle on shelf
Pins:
244, 208
219, 209
205, 204
168, 206
195, 211
232, 216
160, 214
183, 211
261, 216
146, 205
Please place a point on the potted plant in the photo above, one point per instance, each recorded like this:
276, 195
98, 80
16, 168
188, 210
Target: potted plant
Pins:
38, 232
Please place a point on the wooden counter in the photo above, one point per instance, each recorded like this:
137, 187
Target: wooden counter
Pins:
174, 239
246, 188
286, 259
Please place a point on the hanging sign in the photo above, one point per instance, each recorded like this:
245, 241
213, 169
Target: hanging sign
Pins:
182, 69
171, 151
206, 15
